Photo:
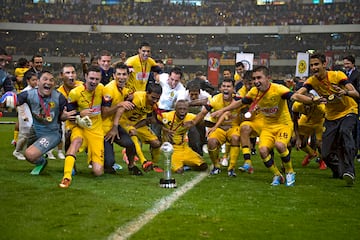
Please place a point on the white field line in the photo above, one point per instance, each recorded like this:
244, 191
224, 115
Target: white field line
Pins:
124, 232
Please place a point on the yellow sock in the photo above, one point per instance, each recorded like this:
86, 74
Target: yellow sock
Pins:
308, 150
287, 163
269, 163
139, 151
234, 154
16, 135
68, 166
214, 156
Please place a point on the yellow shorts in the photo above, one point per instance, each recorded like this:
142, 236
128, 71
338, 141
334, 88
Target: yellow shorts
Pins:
184, 155
277, 133
145, 134
224, 136
307, 131
256, 125
93, 141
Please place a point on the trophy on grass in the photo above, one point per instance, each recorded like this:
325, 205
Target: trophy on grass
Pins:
167, 182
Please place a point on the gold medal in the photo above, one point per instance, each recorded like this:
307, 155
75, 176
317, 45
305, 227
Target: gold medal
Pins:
331, 97
49, 118
247, 115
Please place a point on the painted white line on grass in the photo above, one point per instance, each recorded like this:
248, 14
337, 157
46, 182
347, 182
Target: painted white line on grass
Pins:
132, 227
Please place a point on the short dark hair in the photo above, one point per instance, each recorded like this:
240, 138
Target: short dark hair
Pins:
350, 58
122, 66
232, 81
104, 53
154, 88
44, 71
93, 68
28, 75
177, 71
144, 44
319, 56
239, 64
22, 62
248, 75
66, 65
36, 56
262, 69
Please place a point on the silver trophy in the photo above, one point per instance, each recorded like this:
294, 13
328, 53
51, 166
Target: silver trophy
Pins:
167, 182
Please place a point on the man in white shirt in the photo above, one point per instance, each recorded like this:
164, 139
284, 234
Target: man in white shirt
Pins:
172, 89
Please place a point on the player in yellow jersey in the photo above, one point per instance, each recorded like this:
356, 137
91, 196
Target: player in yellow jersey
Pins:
338, 144
229, 131
69, 78
310, 120
271, 100
174, 132
116, 96
140, 66
136, 123
250, 127
238, 76
86, 99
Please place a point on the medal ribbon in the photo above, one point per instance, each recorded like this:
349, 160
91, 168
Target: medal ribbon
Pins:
42, 103
328, 85
257, 99
143, 69
172, 123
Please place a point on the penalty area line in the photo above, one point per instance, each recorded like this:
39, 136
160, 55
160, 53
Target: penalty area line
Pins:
124, 232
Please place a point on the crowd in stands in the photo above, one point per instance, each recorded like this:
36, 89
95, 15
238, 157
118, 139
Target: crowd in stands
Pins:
166, 46
161, 13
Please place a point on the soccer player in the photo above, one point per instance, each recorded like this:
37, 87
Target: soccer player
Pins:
238, 77
48, 108
69, 77
86, 100
310, 120
229, 131
140, 66
271, 100
341, 110
250, 126
135, 122
116, 96
174, 132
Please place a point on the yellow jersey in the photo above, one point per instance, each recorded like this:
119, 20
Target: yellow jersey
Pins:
172, 122
112, 96
271, 104
139, 112
139, 72
337, 107
216, 103
82, 99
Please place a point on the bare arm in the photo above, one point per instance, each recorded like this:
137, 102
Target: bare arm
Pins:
233, 105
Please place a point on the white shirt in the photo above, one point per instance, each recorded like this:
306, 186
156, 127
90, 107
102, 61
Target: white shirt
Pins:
24, 115
170, 95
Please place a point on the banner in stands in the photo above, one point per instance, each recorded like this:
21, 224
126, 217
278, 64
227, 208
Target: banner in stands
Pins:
213, 68
264, 59
302, 65
247, 59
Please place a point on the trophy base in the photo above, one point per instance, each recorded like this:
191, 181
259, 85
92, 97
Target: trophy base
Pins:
168, 183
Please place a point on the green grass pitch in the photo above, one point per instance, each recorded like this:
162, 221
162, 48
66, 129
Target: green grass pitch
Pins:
219, 207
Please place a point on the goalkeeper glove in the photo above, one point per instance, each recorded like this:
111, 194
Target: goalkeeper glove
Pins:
83, 122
